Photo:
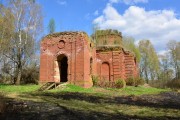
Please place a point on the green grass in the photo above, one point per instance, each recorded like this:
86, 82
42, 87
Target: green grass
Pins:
78, 98
140, 90
72, 88
129, 90
18, 88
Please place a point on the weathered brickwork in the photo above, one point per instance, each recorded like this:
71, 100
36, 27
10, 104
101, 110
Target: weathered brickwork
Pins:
71, 57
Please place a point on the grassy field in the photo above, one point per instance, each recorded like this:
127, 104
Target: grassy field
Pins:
130, 102
129, 90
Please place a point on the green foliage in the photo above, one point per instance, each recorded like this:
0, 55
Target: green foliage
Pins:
19, 30
95, 80
135, 81
101, 36
149, 64
139, 81
108, 48
51, 26
7, 28
160, 83
174, 54
129, 44
105, 42
115, 42
120, 83
130, 81
107, 32
30, 74
104, 83
173, 84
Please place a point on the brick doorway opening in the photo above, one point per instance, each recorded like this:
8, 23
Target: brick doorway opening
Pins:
63, 67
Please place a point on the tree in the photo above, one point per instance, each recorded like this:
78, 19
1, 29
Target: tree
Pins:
27, 21
51, 26
6, 28
6, 33
166, 71
129, 44
174, 51
149, 64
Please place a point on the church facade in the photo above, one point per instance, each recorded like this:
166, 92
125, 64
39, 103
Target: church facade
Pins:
74, 57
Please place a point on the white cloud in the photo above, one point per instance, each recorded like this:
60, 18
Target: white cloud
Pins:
96, 13
131, 2
113, 1
128, 2
61, 2
158, 26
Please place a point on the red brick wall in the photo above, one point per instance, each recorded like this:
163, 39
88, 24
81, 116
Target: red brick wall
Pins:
122, 64
77, 52
76, 46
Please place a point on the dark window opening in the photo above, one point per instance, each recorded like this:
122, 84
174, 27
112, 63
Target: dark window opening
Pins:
91, 61
63, 68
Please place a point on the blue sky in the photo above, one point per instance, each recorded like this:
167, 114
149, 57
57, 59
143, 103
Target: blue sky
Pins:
156, 20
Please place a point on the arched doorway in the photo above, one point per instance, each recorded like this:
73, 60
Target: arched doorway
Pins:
105, 71
63, 67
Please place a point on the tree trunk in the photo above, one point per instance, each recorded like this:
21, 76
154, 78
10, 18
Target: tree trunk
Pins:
146, 75
18, 80
19, 67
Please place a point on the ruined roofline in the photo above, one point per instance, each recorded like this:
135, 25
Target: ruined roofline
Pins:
57, 34
114, 48
107, 32
126, 51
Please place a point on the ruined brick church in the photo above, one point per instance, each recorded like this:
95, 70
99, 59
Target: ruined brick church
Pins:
74, 57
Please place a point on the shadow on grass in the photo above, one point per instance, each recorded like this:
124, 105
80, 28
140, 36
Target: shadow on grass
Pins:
163, 100
22, 109
15, 110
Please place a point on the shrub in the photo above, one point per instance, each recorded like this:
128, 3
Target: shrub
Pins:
120, 83
135, 81
103, 83
95, 80
138, 81
130, 81
174, 84
30, 75
106, 84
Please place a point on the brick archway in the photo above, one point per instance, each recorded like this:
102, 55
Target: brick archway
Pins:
63, 67
105, 71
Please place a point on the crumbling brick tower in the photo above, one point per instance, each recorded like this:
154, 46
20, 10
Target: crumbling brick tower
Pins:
113, 61
65, 57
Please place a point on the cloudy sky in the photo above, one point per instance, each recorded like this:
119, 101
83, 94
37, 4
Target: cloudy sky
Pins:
156, 20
